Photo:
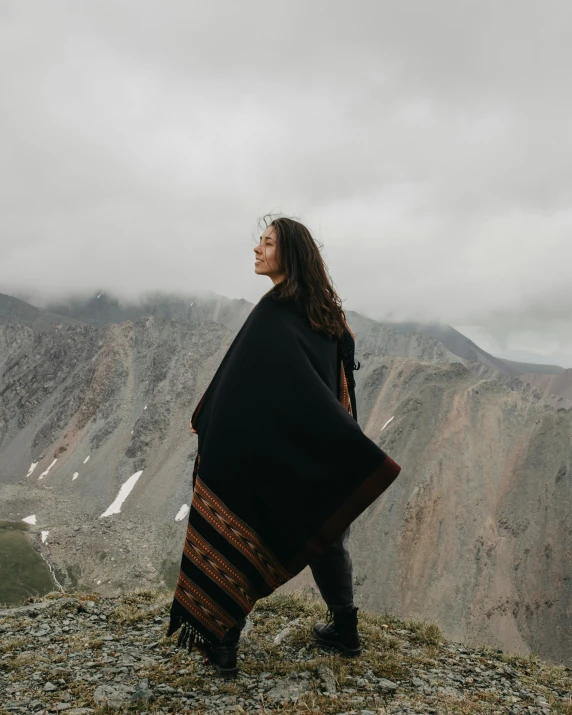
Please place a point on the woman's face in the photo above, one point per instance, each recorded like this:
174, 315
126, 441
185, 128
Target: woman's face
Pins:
266, 256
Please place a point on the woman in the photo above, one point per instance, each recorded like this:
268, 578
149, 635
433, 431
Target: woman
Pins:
282, 467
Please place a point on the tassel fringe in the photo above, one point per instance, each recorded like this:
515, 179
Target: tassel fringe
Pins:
189, 638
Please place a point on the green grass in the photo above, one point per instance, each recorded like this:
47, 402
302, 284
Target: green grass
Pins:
24, 572
393, 649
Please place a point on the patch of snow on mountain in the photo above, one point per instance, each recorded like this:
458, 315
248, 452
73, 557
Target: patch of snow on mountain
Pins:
86, 459
32, 467
45, 474
124, 492
30, 519
385, 425
44, 536
75, 475
183, 512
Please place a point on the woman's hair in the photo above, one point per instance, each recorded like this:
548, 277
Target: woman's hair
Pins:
307, 282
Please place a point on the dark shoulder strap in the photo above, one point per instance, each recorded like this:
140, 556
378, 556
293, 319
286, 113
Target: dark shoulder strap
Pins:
347, 347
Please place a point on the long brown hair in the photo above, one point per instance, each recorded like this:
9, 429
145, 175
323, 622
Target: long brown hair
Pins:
307, 282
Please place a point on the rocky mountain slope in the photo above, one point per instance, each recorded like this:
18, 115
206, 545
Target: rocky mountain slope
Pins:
95, 453
80, 653
475, 533
103, 308
530, 367
457, 343
14, 311
523, 385
559, 385
466, 349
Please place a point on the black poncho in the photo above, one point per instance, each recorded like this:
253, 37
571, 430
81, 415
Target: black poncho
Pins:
282, 469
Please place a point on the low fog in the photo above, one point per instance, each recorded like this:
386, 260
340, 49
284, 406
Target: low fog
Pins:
425, 145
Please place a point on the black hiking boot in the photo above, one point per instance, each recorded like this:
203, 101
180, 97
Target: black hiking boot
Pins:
224, 658
342, 634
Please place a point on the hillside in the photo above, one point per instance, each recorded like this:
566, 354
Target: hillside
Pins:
456, 342
101, 655
17, 312
474, 534
559, 385
103, 308
529, 367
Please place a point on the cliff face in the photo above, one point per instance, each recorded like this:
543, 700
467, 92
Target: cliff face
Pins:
474, 534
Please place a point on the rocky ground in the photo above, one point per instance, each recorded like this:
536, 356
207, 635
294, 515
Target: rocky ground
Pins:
82, 653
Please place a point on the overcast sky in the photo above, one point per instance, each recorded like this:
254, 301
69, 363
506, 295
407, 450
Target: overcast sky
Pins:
427, 146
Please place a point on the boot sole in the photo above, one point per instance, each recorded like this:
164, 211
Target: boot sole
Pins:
226, 673
337, 646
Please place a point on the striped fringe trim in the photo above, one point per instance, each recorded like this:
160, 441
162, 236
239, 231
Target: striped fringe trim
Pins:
190, 637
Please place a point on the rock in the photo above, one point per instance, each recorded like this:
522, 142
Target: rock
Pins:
49, 687
143, 694
288, 690
326, 675
80, 711
386, 685
114, 696
247, 628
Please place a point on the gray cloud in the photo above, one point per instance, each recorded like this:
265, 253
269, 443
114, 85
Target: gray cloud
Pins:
426, 144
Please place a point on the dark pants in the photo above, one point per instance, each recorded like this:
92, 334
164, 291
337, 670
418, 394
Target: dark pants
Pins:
332, 572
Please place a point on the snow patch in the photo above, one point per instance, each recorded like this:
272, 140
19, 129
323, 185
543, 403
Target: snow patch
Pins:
145, 407
45, 474
124, 492
385, 425
32, 467
30, 519
44, 536
75, 475
86, 460
183, 512
99, 582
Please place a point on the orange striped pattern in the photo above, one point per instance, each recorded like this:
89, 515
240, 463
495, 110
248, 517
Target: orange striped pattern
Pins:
205, 610
344, 392
236, 532
219, 569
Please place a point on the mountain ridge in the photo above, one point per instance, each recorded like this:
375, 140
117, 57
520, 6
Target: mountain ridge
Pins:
475, 538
